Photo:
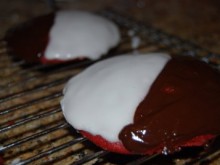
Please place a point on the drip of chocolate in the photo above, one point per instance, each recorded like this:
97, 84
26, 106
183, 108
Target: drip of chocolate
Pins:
183, 103
29, 40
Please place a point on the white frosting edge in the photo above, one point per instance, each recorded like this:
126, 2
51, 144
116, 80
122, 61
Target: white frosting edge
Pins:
80, 34
103, 98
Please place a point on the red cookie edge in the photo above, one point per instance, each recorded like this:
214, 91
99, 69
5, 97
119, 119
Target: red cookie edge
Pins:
117, 147
44, 60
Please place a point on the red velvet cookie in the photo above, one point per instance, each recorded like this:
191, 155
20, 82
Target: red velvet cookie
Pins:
63, 36
145, 104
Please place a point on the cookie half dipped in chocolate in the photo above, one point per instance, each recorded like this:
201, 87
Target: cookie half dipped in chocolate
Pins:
145, 104
63, 36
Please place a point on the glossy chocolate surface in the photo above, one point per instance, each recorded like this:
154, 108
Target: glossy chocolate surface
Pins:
183, 103
29, 40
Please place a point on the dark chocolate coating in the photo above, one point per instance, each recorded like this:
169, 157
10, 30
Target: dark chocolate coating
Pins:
29, 40
183, 102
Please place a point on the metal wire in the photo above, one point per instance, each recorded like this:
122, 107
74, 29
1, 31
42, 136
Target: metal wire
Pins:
30, 103
29, 118
43, 154
92, 156
34, 89
33, 137
161, 38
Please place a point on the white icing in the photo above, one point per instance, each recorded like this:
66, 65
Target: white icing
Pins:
103, 98
79, 33
135, 42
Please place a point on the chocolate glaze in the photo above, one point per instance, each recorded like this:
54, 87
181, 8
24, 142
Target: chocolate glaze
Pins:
29, 40
183, 103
